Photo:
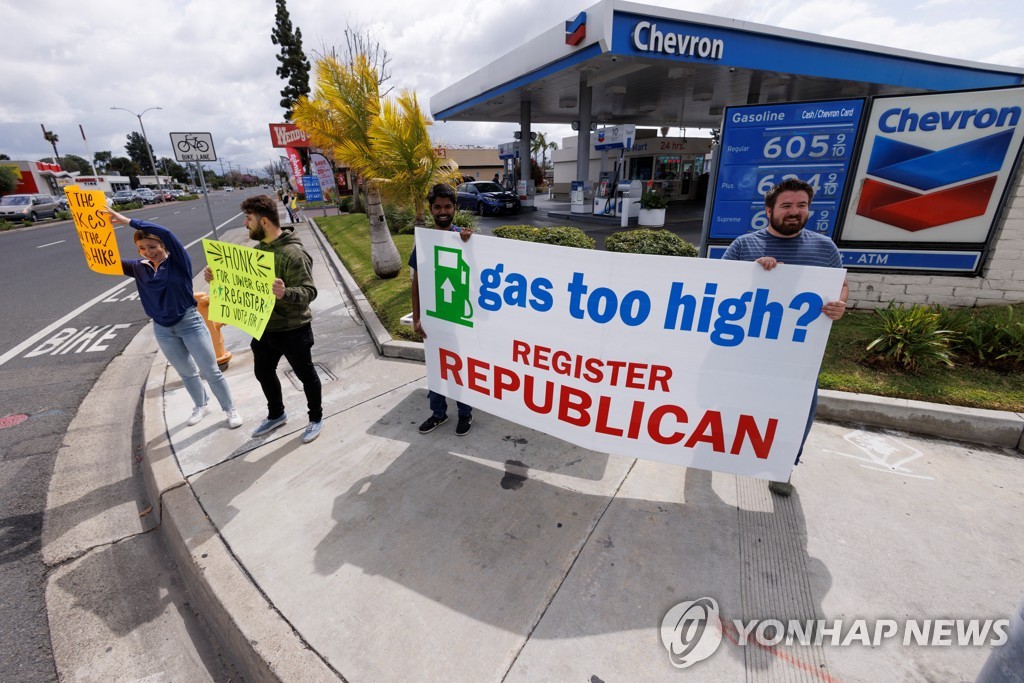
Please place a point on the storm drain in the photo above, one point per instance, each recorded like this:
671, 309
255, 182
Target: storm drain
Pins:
323, 373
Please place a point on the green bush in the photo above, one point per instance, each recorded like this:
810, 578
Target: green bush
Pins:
647, 241
986, 337
62, 216
908, 338
561, 236
345, 204
4, 225
997, 339
653, 200
400, 219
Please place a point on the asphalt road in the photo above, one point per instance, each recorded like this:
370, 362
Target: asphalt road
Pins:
62, 324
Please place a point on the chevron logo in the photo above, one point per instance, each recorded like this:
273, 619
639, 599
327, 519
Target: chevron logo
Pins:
576, 29
939, 175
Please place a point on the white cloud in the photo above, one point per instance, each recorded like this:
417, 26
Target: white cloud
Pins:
211, 65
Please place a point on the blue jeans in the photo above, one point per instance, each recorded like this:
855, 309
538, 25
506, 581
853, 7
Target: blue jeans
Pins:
810, 421
439, 405
186, 345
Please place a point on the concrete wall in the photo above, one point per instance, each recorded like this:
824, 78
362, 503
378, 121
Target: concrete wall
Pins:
1002, 282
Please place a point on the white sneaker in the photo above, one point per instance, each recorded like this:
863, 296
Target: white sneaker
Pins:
198, 413
234, 419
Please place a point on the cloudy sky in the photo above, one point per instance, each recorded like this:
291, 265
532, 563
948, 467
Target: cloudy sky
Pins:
209, 64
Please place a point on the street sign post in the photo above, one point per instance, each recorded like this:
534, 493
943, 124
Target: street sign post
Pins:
193, 147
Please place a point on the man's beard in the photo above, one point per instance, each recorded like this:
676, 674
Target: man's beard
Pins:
444, 221
783, 228
257, 234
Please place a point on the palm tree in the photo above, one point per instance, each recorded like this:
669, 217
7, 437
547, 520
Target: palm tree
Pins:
407, 166
53, 139
540, 146
345, 105
385, 143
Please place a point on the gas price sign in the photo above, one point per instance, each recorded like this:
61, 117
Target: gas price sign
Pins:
765, 144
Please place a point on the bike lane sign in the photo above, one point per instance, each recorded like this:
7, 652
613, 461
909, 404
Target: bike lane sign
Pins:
193, 147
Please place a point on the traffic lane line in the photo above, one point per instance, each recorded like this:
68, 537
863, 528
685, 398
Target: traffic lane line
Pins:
16, 351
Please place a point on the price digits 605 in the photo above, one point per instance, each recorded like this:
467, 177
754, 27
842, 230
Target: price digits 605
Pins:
803, 146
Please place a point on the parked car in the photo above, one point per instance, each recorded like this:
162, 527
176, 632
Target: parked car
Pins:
19, 207
177, 193
146, 195
122, 197
484, 197
229, 189
165, 195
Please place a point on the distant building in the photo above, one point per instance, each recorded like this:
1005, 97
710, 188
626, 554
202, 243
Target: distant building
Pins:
480, 163
40, 177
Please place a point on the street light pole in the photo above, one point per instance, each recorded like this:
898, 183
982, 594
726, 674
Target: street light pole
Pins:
149, 150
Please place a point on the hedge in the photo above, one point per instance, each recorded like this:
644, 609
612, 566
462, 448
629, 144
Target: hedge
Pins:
647, 241
562, 236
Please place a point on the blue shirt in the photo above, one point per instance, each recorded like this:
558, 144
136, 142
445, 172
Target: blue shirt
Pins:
166, 291
804, 249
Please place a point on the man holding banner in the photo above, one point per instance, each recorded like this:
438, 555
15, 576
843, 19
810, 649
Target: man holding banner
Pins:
163, 277
785, 241
289, 332
443, 205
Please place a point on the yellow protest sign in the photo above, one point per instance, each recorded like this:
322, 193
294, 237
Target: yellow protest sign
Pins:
240, 293
95, 231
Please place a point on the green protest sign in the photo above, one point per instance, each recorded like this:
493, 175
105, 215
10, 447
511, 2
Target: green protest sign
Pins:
240, 294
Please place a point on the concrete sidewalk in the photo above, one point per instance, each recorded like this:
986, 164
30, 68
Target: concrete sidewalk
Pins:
379, 554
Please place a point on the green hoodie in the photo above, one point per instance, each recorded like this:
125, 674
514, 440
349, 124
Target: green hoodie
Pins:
293, 265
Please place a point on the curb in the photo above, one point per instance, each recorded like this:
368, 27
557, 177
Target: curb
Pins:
973, 425
958, 423
259, 639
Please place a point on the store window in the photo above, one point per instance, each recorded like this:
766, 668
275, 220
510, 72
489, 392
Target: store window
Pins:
640, 168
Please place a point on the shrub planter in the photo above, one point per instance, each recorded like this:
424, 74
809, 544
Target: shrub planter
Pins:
651, 218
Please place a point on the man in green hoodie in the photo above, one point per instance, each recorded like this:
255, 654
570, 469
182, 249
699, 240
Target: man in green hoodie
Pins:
289, 331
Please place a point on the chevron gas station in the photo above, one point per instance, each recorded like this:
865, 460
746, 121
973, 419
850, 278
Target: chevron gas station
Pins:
914, 158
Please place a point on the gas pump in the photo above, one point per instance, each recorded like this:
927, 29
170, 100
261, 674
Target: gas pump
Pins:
451, 287
627, 200
604, 200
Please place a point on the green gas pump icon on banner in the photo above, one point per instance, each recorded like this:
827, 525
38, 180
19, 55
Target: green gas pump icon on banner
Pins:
451, 287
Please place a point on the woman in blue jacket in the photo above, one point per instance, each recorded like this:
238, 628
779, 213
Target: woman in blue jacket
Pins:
164, 279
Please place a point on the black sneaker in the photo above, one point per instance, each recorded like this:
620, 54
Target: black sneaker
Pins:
432, 423
464, 425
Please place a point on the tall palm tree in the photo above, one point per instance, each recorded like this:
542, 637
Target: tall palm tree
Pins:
407, 166
386, 143
346, 102
540, 145
53, 139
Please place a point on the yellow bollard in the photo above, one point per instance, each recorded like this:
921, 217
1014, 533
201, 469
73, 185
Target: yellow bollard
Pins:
223, 355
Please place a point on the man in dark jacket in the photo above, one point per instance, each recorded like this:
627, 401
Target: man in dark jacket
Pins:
289, 331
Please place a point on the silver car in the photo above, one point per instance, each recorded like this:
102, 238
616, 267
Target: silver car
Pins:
19, 207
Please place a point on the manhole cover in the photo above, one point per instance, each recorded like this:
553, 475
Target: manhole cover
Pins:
12, 420
323, 373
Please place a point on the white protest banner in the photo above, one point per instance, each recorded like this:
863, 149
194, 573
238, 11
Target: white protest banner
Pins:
700, 363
